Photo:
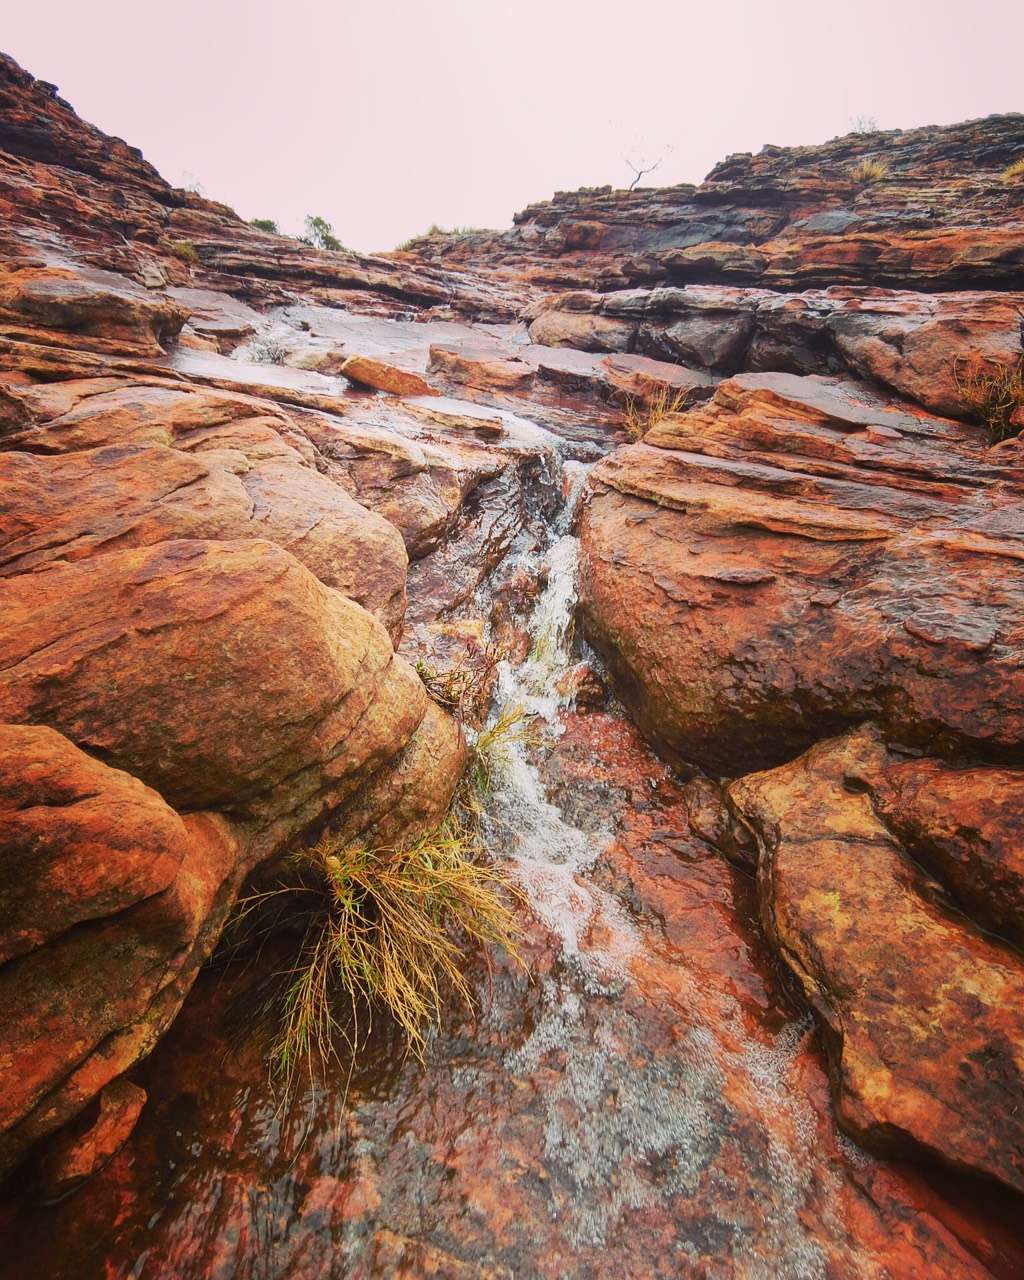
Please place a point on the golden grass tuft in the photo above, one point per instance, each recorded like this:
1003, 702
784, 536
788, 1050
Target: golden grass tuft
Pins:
643, 414
1014, 172
491, 749
991, 392
186, 250
389, 929
869, 170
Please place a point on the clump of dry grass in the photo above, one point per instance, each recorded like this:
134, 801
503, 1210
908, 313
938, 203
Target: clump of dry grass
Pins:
388, 928
186, 250
869, 170
491, 749
266, 351
465, 688
643, 414
992, 393
1014, 172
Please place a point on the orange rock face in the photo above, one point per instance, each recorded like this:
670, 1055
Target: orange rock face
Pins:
102, 309
87, 1146
113, 903
196, 630
791, 217
923, 1016
234, 479
674, 1120
369, 372
97, 840
481, 368
964, 825
908, 341
798, 556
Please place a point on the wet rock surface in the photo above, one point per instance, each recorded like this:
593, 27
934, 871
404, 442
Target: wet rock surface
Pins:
923, 1032
798, 556
248, 486
645, 1105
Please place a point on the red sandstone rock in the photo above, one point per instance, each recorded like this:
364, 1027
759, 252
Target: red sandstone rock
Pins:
792, 217
481, 367
147, 891
166, 639
371, 372
78, 840
238, 480
908, 341
688, 1057
963, 824
418, 485
98, 307
584, 332
180, 627
797, 555
86, 1146
583, 686
182, 556
923, 1016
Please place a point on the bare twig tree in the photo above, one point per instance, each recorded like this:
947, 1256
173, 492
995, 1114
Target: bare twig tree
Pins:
640, 170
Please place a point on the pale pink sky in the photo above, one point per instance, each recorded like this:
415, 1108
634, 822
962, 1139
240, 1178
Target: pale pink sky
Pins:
386, 116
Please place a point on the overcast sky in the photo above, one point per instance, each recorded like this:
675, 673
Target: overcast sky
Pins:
385, 116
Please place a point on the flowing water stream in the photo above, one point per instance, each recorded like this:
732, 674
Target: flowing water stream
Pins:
645, 1102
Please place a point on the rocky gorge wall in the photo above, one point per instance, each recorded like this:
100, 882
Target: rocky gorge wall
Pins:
805, 581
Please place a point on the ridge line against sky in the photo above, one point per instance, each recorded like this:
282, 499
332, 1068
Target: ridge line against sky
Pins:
386, 117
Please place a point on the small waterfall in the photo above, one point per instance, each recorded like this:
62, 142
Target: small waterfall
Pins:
522, 828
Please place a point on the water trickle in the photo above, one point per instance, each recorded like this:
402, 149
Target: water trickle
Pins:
545, 853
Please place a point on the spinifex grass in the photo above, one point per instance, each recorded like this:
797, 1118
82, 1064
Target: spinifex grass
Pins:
992, 393
869, 170
1014, 172
388, 928
644, 413
490, 751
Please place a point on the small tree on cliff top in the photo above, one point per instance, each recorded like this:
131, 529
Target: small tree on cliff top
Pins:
320, 233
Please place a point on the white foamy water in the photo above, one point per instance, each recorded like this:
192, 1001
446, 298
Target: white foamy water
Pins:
546, 854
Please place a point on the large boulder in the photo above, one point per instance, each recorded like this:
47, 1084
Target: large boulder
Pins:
111, 902
801, 555
584, 332
226, 677
100, 308
179, 464
212, 670
370, 371
418, 485
485, 367
922, 1013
